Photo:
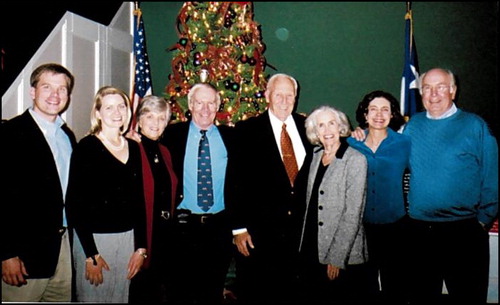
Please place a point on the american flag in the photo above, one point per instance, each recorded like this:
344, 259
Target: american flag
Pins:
142, 80
409, 89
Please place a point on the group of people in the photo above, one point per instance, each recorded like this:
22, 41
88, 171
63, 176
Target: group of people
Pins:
311, 211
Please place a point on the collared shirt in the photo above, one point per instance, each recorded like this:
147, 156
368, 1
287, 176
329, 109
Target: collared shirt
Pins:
60, 146
445, 115
386, 166
218, 157
291, 128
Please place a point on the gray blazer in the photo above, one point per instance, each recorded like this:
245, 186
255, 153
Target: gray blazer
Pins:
342, 193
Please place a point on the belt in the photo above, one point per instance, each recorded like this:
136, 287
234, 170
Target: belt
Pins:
62, 230
186, 217
201, 218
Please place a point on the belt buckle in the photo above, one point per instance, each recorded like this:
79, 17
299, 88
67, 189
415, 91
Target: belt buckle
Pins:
62, 230
203, 219
165, 215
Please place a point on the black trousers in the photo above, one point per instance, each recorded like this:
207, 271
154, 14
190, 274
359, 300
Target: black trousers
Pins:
454, 252
151, 285
388, 258
269, 274
201, 257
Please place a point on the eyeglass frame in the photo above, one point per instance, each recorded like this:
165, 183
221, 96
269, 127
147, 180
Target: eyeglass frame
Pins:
440, 89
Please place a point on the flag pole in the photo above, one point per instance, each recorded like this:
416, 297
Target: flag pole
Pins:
409, 15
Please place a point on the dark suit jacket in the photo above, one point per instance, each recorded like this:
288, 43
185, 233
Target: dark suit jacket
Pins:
175, 138
32, 199
267, 205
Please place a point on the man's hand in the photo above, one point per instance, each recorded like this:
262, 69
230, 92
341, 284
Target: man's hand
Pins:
243, 241
13, 272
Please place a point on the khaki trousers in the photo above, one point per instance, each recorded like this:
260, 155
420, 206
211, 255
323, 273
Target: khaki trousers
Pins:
54, 289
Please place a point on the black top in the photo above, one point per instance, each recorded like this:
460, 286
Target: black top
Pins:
105, 195
310, 242
162, 199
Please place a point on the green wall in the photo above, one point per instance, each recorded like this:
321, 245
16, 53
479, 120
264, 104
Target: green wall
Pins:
339, 51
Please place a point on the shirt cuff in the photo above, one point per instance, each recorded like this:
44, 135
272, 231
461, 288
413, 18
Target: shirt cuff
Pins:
239, 231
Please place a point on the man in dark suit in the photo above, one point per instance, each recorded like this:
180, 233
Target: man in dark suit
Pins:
201, 245
268, 209
37, 146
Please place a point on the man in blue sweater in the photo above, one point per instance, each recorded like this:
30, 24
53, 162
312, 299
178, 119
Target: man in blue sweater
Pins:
453, 198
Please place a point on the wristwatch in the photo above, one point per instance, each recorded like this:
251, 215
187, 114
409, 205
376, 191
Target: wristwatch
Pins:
143, 253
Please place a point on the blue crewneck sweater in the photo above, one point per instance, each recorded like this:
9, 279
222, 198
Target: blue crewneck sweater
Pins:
454, 168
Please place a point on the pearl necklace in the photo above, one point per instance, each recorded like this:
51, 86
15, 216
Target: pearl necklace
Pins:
111, 145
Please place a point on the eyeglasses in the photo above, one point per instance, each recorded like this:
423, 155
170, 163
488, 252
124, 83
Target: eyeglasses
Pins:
440, 89
199, 105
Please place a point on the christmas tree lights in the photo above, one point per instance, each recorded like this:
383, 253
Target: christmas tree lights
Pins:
219, 43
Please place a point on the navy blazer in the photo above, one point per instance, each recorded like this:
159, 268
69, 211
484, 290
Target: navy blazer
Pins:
175, 139
32, 198
267, 205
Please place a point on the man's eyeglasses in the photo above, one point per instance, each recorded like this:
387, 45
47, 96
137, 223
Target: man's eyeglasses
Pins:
440, 89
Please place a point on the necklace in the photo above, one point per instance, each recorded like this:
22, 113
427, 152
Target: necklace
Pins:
111, 145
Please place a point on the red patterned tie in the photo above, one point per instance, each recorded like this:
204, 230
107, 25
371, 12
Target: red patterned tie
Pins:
288, 155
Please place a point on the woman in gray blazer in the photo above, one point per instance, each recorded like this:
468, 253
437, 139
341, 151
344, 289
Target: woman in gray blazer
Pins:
333, 246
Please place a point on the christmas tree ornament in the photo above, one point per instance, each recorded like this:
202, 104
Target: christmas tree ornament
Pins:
229, 48
204, 75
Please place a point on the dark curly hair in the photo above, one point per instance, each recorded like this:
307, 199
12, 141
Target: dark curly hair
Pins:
397, 119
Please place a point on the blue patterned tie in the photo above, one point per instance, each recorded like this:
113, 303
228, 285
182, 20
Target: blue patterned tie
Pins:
205, 193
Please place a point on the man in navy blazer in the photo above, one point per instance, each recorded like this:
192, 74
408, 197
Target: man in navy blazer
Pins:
202, 245
269, 207
37, 146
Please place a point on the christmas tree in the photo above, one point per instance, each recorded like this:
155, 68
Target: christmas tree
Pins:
219, 43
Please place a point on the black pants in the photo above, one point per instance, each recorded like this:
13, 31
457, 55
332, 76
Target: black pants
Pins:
388, 258
201, 257
456, 252
352, 286
151, 284
269, 274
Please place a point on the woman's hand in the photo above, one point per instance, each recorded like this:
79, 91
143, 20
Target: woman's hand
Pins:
135, 262
332, 272
93, 269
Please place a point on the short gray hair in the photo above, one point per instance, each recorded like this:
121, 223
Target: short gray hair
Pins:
272, 80
453, 83
311, 123
153, 103
196, 87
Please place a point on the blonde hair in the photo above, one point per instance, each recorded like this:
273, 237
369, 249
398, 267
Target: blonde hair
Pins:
311, 123
95, 123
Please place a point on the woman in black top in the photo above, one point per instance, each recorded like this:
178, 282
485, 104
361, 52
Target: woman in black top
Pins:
160, 183
106, 203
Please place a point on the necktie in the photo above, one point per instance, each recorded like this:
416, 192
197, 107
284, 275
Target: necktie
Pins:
288, 155
205, 193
